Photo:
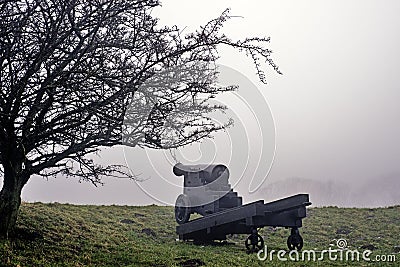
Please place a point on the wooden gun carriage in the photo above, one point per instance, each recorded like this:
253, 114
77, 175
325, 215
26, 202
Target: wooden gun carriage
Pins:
207, 192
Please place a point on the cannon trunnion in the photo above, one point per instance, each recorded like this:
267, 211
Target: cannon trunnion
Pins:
207, 192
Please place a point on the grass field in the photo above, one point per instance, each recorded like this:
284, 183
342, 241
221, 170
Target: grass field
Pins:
72, 235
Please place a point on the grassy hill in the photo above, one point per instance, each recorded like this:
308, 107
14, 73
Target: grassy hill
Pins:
73, 235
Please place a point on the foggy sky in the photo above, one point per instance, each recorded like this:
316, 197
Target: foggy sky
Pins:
335, 107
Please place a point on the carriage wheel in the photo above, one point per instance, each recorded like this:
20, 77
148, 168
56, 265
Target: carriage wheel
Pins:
254, 243
295, 241
182, 209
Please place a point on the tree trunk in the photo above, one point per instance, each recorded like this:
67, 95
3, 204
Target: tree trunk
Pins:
10, 200
10, 196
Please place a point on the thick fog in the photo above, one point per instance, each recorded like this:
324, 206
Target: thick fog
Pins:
328, 126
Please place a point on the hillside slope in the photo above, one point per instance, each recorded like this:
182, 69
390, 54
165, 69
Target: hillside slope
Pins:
73, 235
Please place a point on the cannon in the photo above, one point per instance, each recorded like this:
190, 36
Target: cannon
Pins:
206, 191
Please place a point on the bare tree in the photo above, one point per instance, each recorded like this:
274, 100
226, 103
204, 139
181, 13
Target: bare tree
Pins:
75, 73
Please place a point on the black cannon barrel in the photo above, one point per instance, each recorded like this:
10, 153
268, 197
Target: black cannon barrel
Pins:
213, 171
